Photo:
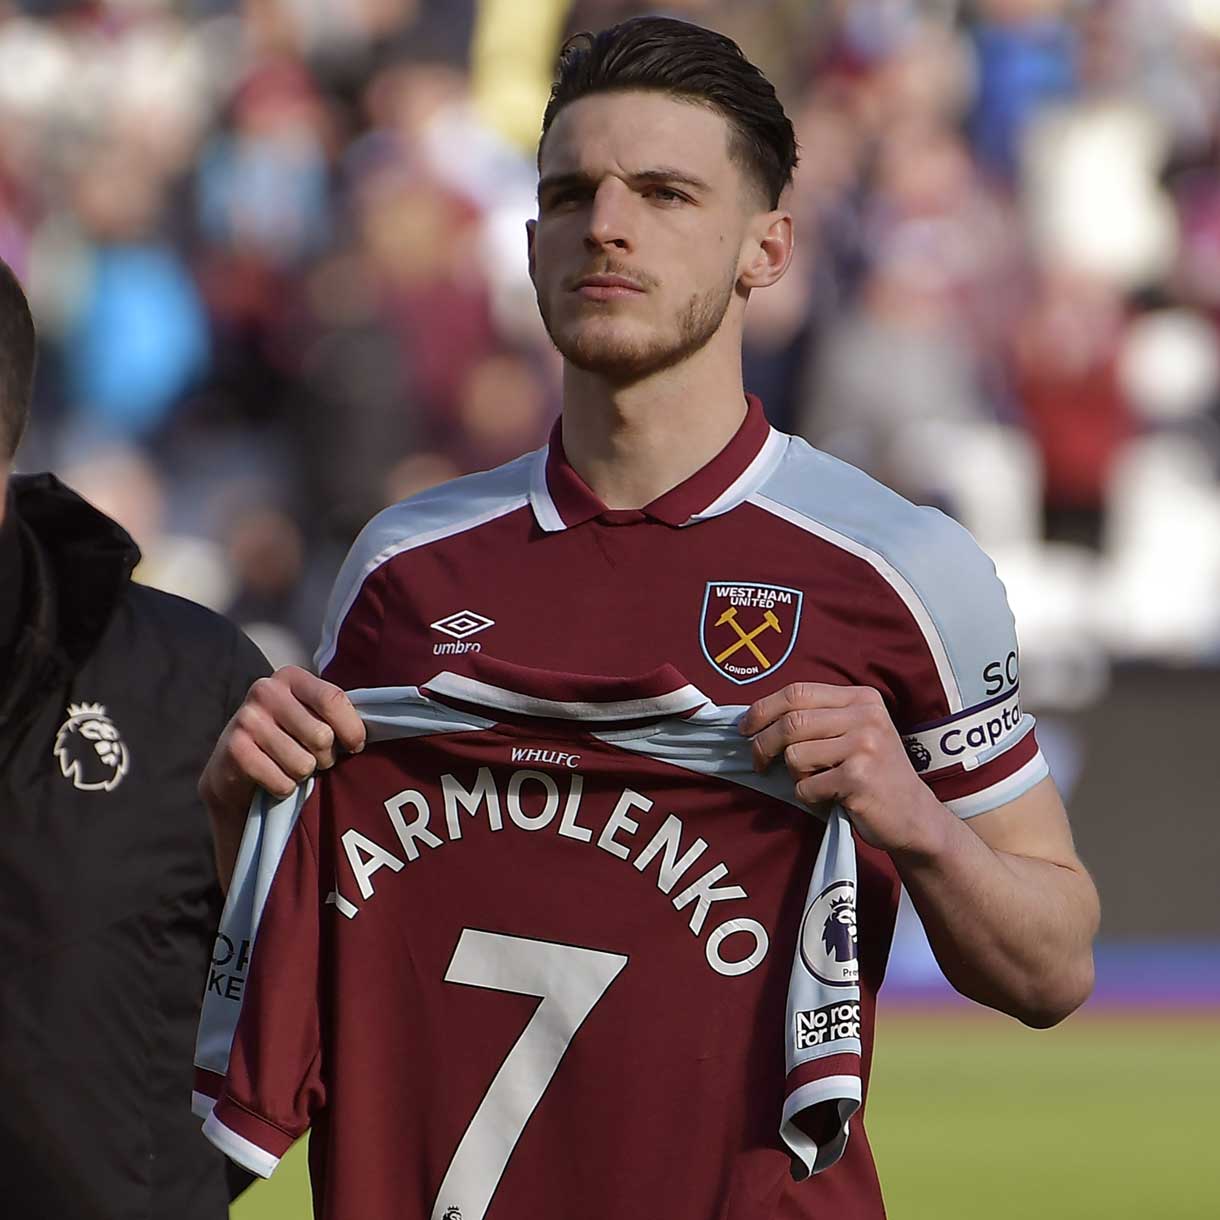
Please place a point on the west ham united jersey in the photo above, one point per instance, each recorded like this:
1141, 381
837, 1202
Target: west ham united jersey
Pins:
547, 947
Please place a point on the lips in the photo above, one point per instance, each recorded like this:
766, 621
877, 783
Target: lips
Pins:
607, 287
608, 281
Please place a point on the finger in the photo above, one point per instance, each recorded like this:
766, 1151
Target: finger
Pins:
240, 764
250, 767
804, 758
258, 737
825, 786
273, 702
795, 696
330, 704
805, 724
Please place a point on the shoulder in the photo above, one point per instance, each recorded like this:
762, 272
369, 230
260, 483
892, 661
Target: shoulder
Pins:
186, 623
451, 508
189, 637
840, 503
945, 579
443, 512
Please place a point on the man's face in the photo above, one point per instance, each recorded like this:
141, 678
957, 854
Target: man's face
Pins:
641, 219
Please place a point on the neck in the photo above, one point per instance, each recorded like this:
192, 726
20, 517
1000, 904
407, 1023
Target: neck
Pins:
632, 443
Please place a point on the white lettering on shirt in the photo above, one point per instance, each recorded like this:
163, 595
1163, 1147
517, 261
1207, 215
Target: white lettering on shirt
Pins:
557, 758
482, 792
532, 800
761, 596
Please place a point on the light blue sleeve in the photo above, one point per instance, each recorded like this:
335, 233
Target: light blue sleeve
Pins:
949, 654
268, 828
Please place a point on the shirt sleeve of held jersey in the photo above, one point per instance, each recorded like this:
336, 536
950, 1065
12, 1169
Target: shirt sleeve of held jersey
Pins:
269, 828
272, 1087
822, 1044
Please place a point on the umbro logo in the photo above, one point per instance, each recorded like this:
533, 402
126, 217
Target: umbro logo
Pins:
461, 624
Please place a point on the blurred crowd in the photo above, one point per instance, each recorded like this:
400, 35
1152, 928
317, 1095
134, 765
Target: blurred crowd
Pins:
276, 254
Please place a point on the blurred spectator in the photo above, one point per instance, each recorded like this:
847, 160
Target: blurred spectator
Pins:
138, 342
1066, 349
1026, 53
264, 185
902, 334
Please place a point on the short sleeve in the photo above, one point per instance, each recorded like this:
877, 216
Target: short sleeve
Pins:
959, 711
351, 629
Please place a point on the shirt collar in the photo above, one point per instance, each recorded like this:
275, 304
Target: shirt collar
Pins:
561, 499
504, 687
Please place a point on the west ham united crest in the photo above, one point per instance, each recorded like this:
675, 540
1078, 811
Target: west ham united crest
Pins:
748, 630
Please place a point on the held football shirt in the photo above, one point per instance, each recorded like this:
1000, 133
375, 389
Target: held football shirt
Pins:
547, 947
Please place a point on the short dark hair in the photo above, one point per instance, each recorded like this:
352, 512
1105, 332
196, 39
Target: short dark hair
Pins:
689, 62
17, 346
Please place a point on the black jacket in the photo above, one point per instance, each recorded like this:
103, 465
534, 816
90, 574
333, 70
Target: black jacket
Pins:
111, 698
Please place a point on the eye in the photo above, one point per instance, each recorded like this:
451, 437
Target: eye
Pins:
666, 194
565, 196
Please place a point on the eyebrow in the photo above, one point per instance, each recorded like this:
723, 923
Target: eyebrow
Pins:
662, 174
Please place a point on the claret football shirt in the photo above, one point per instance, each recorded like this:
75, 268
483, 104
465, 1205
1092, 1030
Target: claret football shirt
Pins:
774, 563
547, 947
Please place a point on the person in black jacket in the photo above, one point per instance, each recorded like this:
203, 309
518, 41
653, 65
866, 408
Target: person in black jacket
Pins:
111, 697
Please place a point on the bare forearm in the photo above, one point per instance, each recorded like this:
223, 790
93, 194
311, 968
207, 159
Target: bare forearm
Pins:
1010, 932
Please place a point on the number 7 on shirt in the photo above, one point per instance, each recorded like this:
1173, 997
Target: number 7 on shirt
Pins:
569, 981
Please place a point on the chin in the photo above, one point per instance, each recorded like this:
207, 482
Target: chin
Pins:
616, 354
623, 347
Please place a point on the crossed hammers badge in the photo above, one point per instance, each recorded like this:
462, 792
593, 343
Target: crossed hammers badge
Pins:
746, 639
762, 620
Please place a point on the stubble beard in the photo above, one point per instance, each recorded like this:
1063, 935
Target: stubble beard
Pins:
622, 360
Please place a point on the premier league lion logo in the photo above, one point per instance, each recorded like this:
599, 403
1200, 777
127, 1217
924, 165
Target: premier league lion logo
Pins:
828, 936
89, 749
918, 753
839, 930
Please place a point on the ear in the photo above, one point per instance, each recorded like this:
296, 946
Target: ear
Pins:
767, 251
531, 227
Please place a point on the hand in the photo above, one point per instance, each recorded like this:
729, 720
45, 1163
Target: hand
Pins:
839, 744
290, 725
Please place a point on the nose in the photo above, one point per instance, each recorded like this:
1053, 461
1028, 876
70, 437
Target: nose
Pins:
610, 217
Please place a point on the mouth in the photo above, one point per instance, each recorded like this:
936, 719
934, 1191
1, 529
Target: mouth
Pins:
606, 287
